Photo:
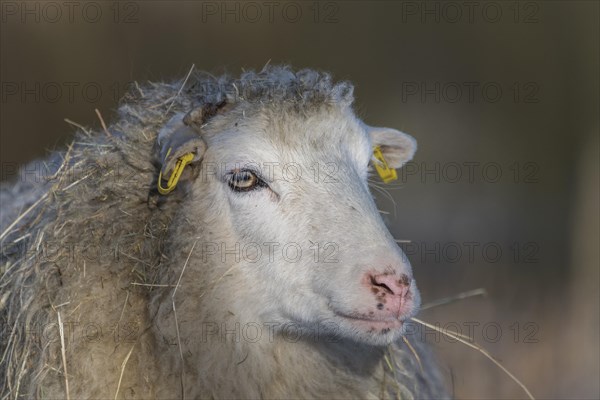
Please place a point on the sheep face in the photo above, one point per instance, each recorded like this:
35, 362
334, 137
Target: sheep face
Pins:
291, 192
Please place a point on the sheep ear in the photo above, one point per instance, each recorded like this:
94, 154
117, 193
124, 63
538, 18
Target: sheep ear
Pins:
178, 145
180, 141
397, 147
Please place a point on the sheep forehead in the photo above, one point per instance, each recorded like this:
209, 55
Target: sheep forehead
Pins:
279, 135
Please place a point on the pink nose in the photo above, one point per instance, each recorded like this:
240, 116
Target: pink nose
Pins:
392, 292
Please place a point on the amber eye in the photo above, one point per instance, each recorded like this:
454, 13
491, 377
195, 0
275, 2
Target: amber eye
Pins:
244, 181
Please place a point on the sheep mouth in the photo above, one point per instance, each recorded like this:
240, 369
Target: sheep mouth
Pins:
372, 325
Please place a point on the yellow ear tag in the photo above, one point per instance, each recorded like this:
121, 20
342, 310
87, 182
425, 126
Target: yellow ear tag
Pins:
386, 173
176, 174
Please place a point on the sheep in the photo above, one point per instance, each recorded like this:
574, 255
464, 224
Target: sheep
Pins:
218, 240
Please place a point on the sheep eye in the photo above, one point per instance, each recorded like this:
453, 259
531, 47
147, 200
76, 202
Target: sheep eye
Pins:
244, 181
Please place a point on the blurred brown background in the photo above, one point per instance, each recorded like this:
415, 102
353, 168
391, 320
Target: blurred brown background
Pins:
488, 88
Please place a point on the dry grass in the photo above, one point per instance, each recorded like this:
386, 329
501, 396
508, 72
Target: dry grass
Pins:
104, 128
465, 339
123, 365
461, 338
23, 215
177, 321
63, 354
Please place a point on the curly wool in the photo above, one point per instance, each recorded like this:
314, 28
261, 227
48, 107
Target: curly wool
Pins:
304, 89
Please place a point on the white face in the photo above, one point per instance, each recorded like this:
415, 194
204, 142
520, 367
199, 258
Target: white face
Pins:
294, 191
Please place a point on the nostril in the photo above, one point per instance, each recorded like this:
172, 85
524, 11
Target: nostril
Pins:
382, 285
393, 284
